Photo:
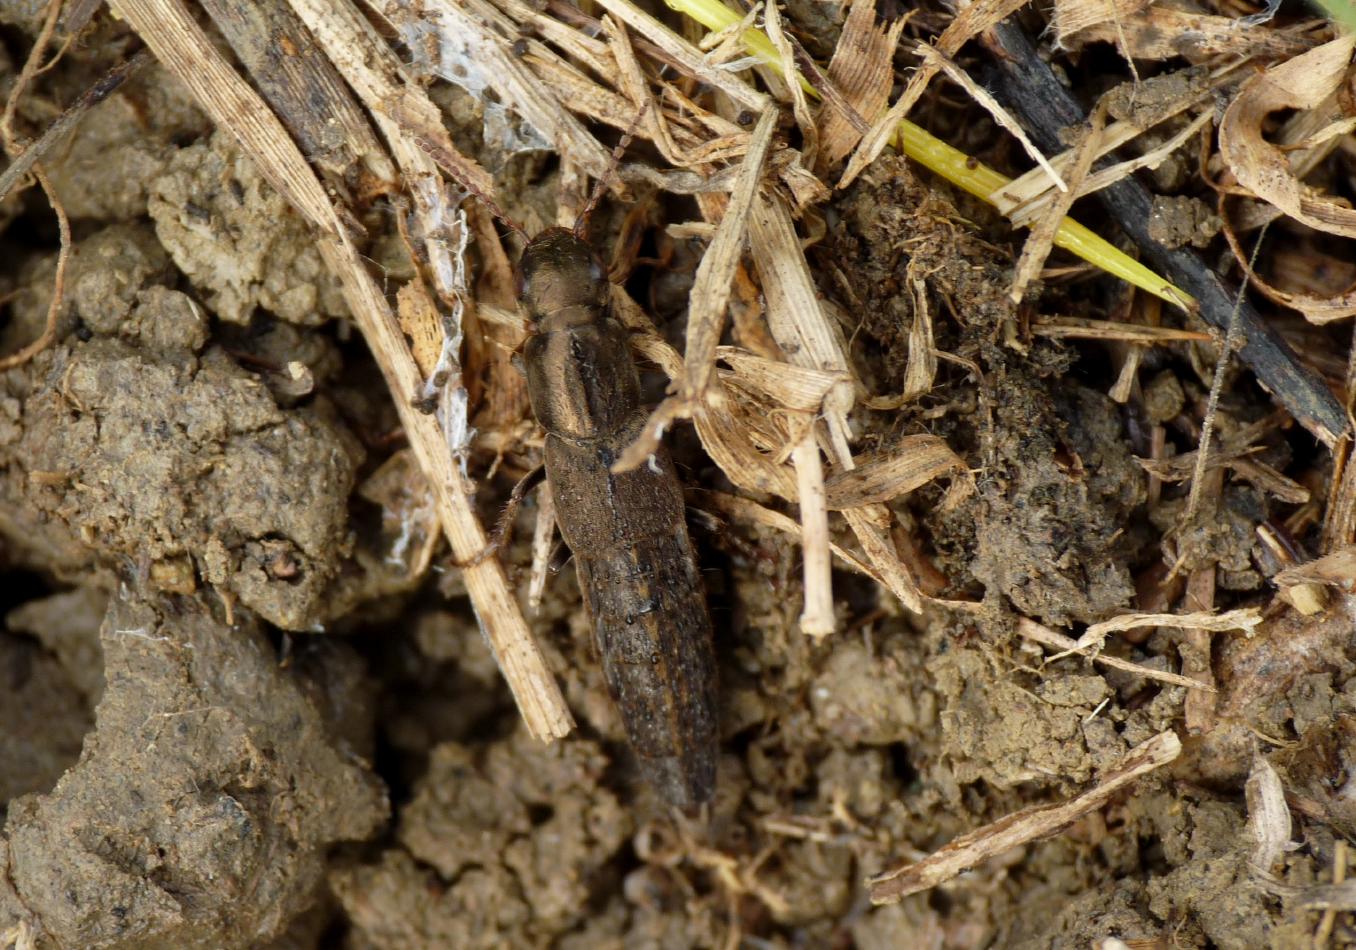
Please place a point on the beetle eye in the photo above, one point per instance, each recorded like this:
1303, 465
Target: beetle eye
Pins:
519, 283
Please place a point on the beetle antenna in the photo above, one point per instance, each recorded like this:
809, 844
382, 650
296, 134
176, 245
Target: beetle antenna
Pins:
493, 207
581, 222
482, 193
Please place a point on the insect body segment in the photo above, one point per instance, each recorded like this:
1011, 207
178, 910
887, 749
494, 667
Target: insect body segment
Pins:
628, 532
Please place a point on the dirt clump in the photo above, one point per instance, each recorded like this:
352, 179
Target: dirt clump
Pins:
125, 143
180, 459
236, 239
135, 437
200, 814
40, 725
1178, 221
1049, 523
1058, 484
510, 844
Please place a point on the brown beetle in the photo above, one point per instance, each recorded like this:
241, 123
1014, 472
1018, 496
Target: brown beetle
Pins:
639, 577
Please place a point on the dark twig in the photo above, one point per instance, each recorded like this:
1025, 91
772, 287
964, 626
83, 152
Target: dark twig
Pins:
92, 96
1030, 89
299, 81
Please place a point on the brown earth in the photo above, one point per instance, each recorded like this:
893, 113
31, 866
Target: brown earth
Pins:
238, 712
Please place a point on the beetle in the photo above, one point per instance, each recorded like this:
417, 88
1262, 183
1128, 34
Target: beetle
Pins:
637, 571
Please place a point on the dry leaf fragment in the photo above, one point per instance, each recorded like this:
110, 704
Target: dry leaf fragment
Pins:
1142, 30
1182, 467
1043, 635
796, 318
736, 506
1161, 32
1337, 569
1245, 619
580, 45
302, 84
971, 21
800, 105
796, 387
1071, 16
897, 577
420, 322
1317, 308
989, 104
1082, 328
686, 56
1024, 211
1041, 239
715, 274
914, 462
728, 444
458, 27
1301, 83
862, 68
665, 134
1268, 815
921, 369
1029, 824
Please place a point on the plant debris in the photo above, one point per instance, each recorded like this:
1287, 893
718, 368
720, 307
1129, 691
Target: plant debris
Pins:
1029, 552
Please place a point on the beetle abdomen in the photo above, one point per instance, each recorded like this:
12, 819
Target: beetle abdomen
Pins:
643, 592
654, 637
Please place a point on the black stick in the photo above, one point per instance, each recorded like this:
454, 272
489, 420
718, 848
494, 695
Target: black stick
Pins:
95, 94
1030, 89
